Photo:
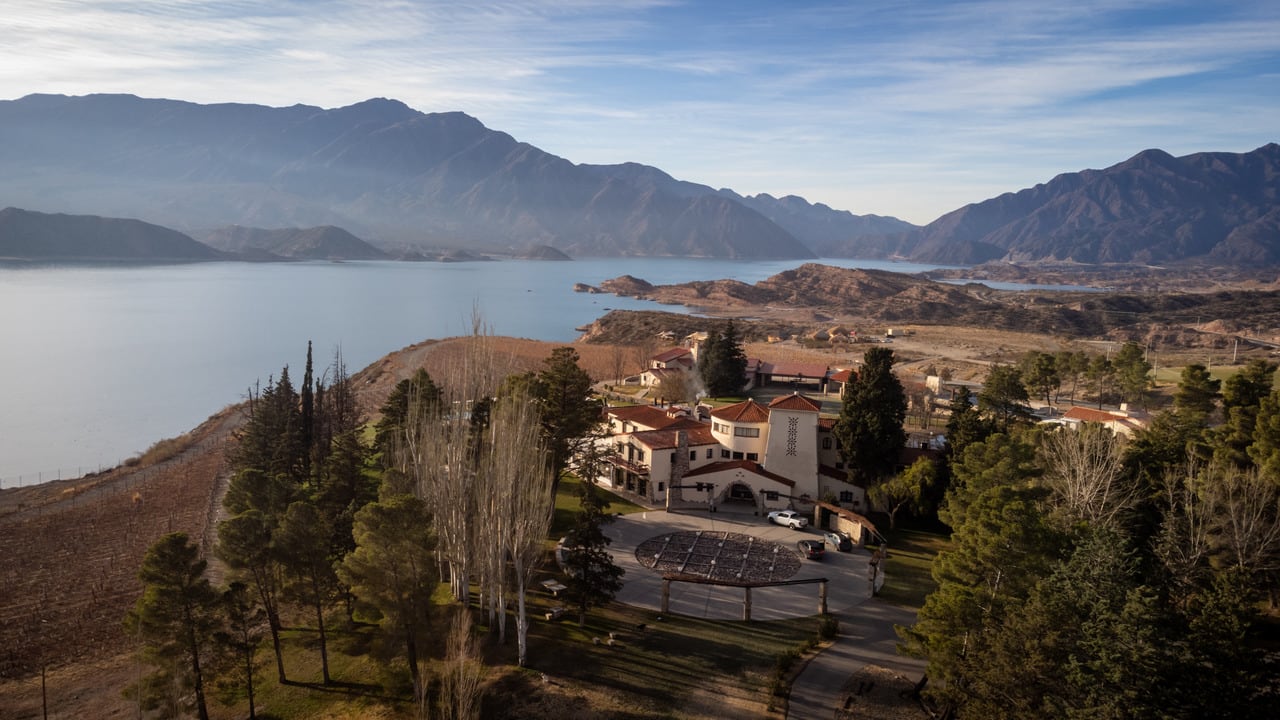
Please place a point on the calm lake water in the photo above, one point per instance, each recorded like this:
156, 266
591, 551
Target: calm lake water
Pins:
97, 363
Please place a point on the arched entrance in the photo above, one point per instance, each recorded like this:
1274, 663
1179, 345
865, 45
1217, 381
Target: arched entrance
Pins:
739, 497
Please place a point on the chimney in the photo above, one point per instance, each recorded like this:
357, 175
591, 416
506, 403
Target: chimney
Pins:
680, 467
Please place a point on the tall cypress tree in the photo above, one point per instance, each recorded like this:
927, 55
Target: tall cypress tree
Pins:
873, 407
308, 411
723, 364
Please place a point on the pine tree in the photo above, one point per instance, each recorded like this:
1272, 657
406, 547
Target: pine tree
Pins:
1004, 397
593, 578
392, 574
176, 617
303, 545
873, 407
1133, 373
1197, 393
1242, 396
240, 639
966, 425
245, 544
723, 363
568, 412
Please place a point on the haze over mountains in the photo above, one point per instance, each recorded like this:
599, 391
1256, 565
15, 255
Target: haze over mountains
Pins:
403, 180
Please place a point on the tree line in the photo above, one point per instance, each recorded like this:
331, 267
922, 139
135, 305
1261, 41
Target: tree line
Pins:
1093, 575
333, 520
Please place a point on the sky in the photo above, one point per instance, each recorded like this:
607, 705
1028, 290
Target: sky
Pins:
903, 108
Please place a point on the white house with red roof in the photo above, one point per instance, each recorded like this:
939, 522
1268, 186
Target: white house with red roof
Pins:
1120, 422
765, 457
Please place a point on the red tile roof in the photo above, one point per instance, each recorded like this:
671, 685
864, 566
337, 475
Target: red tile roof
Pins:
1090, 415
796, 370
751, 467
747, 411
668, 438
827, 424
795, 402
643, 415
841, 376
672, 354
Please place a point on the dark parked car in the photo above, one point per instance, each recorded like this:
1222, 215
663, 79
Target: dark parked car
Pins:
839, 541
811, 549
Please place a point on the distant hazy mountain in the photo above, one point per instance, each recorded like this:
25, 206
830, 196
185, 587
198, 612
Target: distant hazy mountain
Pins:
317, 243
386, 172
30, 235
1152, 208
826, 231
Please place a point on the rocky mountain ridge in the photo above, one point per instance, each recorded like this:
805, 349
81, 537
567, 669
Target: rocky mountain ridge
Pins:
382, 170
1212, 208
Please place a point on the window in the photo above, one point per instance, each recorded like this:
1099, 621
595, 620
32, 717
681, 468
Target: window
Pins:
724, 453
746, 432
846, 496
693, 454
826, 443
673, 458
719, 427
710, 453
639, 454
754, 457
662, 487
737, 456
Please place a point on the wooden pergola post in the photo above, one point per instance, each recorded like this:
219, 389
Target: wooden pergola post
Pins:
746, 604
822, 597
666, 595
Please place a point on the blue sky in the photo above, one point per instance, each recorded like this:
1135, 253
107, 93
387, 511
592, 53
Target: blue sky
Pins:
903, 108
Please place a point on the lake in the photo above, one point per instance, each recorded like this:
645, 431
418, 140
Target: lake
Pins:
99, 362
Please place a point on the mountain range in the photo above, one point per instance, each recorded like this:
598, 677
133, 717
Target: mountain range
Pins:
405, 181
1214, 207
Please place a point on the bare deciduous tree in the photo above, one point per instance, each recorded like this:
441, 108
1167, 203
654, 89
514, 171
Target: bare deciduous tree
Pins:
1246, 519
438, 452
1184, 543
460, 682
520, 479
1083, 469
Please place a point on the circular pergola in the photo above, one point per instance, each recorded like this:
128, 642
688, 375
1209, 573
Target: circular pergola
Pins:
718, 557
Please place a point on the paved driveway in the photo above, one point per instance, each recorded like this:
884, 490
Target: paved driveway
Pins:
866, 625
846, 572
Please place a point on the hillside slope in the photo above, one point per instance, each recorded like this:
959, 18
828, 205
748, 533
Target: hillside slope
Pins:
29, 235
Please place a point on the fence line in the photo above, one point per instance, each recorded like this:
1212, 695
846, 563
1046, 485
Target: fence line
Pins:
38, 478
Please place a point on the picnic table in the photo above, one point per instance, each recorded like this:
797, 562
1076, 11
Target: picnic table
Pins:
553, 586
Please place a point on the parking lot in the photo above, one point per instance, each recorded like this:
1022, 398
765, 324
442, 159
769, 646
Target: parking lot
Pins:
846, 572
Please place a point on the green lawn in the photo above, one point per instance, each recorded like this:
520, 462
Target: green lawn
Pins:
907, 579
660, 671
567, 505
